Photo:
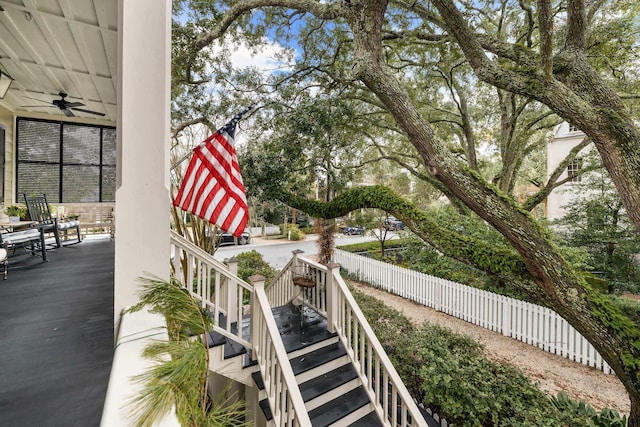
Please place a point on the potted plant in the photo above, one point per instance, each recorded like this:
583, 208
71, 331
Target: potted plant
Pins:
16, 213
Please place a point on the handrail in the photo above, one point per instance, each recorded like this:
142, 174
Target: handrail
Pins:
197, 267
380, 379
284, 396
331, 298
210, 281
280, 289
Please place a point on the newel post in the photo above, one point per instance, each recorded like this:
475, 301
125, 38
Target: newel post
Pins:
258, 285
232, 291
332, 295
296, 253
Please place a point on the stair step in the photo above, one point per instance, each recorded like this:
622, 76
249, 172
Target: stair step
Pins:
215, 339
369, 420
339, 407
266, 409
317, 358
327, 382
257, 378
233, 349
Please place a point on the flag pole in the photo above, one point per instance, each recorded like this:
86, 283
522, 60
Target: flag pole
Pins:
232, 123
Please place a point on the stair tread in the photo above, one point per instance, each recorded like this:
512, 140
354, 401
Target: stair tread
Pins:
257, 378
317, 358
369, 420
339, 407
266, 409
327, 382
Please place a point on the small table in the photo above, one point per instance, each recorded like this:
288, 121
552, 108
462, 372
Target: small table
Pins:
17, 225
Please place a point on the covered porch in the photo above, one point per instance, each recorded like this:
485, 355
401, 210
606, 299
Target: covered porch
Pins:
56, 335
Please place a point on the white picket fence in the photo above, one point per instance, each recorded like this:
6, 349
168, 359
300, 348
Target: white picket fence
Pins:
529, 323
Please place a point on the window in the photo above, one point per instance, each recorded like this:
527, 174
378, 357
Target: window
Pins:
573, 128
69, 162
573, 170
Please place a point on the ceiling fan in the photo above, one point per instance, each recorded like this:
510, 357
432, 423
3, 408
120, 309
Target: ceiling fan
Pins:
66, 106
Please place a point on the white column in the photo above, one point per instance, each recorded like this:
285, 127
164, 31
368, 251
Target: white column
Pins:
142, 196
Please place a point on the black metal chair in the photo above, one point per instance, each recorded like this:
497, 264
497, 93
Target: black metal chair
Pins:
40, 212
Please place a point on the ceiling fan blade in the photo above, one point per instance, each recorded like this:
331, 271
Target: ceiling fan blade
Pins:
37, 106
73, 104
88, 111
68, 112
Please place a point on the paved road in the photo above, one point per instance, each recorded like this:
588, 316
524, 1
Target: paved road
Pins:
278, 252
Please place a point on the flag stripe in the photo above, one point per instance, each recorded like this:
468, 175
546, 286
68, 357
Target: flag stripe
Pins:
212, 187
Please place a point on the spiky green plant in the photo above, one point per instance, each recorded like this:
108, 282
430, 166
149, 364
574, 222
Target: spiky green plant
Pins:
180, 375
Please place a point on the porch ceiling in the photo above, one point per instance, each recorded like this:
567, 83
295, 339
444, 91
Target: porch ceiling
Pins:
52, 46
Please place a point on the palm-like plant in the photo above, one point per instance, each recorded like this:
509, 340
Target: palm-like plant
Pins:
180, 374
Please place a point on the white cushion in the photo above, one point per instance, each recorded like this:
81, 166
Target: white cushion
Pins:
68, 224
21, 236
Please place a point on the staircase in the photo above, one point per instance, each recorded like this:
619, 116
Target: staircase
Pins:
330, 386
306, 374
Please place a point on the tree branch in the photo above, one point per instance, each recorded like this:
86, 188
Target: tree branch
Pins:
323, 11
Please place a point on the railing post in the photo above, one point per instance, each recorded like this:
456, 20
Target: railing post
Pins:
254, 329
232, 292
332, 296
296, 253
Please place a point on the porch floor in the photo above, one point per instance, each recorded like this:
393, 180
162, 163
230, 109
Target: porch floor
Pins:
56, 336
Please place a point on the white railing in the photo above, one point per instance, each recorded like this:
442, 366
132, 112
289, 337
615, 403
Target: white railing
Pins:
331, 298
223, 293
284, 396
220, 291
529, 323
214, 284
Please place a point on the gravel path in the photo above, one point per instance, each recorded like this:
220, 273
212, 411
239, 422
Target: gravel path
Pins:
552, 373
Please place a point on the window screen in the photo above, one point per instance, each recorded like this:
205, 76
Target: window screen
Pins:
68, 162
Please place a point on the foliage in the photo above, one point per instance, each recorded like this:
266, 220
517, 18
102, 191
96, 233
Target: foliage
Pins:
251, 263
449, 374
19, 211
606, 418
373, 246
597, 223
421, 83
423, 258
179, 376
292, 232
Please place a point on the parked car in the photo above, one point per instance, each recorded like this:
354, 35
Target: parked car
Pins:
353, 230
228, 239
393, 224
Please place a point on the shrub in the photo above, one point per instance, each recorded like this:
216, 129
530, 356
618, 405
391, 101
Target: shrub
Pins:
373, 245
251, 263
294, 233
449, 374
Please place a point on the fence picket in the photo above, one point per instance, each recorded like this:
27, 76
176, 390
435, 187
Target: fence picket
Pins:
536, 325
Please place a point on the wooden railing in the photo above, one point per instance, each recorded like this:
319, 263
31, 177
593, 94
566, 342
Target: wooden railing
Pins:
284, 396
215, 285
219, 290
222, 292
332, 298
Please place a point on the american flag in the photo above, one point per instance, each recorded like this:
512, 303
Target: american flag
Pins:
212, 187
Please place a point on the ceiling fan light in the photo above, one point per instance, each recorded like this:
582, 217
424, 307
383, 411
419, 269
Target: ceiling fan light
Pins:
5, 82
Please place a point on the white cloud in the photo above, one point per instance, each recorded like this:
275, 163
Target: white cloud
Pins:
268, 58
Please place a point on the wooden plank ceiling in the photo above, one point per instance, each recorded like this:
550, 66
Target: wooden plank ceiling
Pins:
53, 46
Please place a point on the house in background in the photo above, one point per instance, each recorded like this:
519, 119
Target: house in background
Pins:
565, 138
